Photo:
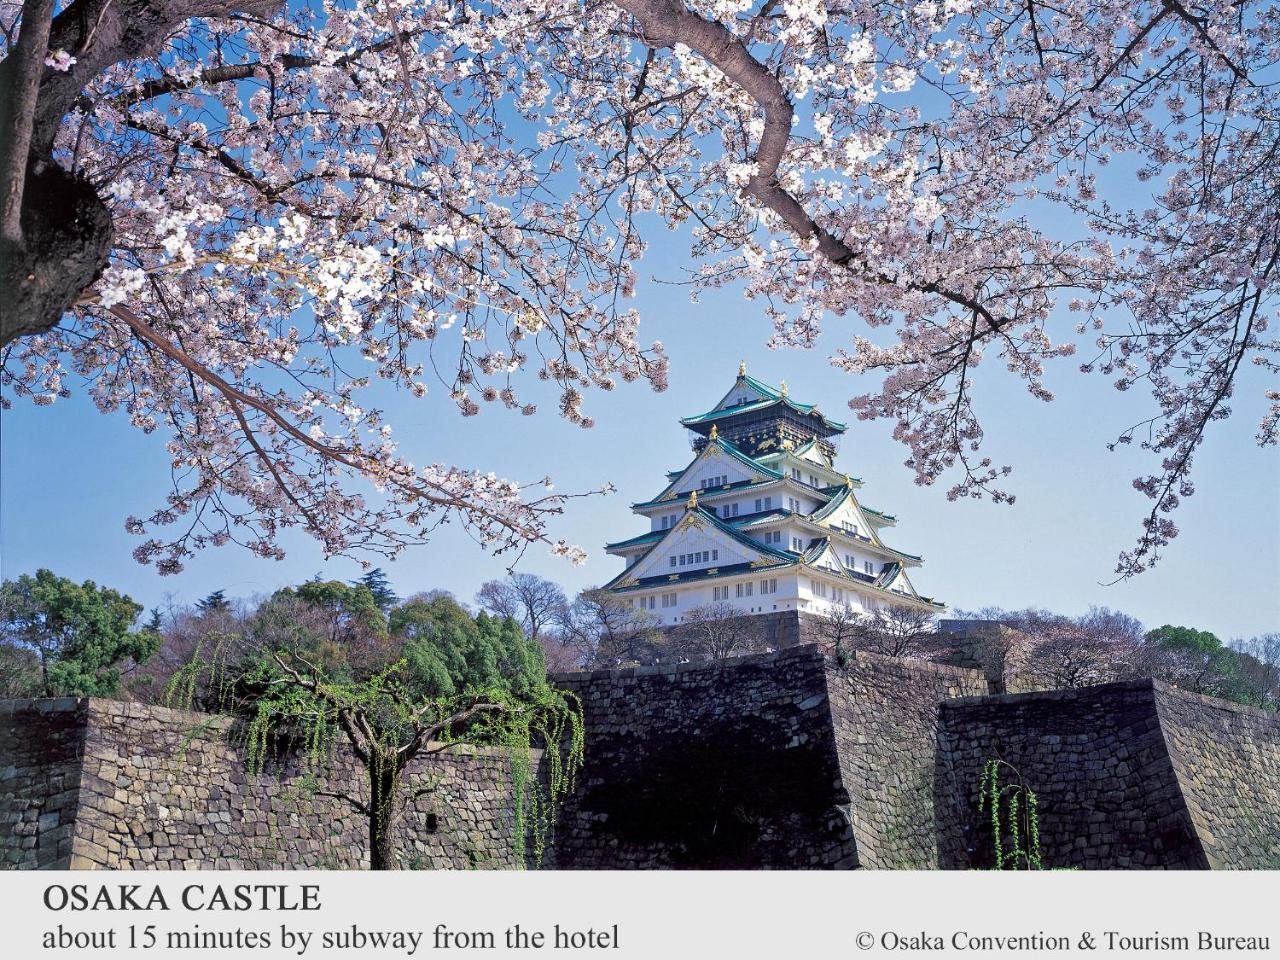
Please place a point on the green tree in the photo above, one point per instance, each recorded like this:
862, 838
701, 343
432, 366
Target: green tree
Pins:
378, 584
439, 678
81, 634
447, 651
1185, 638
214, 601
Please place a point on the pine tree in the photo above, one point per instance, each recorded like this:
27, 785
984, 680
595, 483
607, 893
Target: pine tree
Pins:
380, 587
214, 601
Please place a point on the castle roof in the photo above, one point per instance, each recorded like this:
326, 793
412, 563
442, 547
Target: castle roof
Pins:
768, 559
768, 397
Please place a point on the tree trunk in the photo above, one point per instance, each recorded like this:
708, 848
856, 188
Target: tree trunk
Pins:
384, 780
66, 232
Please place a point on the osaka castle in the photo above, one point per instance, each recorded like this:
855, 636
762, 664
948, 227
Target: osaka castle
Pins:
761, 519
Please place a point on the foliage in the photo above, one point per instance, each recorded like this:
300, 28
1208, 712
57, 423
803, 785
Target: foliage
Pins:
448, 651
1185, 638
251, 206
1013, 817
1105, 645
1060, 651
315, 665
380, 587
1204, 664
214, 601
81, 634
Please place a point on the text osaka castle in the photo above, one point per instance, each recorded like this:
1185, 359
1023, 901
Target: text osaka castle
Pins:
762, 520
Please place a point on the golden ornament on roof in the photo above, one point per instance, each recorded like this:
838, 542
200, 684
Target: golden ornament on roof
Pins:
742, 368
715, 433
693, 499
783, 388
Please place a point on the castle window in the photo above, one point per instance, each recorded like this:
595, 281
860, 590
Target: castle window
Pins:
769, 586
796, 545
868, 566
673, 559
669, 599
795, 473
745, 589
715, 555
719, 593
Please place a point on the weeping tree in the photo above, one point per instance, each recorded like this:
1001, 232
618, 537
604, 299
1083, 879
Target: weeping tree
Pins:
388, 727
425, 690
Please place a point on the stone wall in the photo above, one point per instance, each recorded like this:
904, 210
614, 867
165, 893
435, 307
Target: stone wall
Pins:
773, 760
779, 760
1227, 761
164, 789
885, 716
710, 764
1128, 775
40, 750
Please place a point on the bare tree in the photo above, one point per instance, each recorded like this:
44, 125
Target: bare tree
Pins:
897, 631
1099, 647
718, 631
839, 629
612, 631
561, 654
533, 602
891, 631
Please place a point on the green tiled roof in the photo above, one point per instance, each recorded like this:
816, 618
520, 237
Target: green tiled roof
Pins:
782, 556
725, 447
772, 395
745, 520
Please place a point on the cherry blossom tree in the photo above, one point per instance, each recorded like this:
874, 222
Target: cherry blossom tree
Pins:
232, 217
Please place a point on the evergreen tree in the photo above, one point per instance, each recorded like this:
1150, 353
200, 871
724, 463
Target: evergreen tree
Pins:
378, 584
81, 634
448, 652
214, 601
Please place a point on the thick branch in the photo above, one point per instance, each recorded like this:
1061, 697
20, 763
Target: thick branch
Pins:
665, 23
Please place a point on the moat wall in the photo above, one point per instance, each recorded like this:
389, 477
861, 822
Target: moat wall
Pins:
696, 765
101, 783
1134, 774
779, 760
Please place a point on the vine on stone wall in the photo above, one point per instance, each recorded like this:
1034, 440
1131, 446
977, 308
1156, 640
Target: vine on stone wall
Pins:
1013, 817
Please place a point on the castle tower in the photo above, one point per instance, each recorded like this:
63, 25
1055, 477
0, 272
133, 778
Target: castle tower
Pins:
762, 520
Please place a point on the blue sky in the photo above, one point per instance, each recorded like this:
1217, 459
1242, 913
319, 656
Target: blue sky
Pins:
70, 475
